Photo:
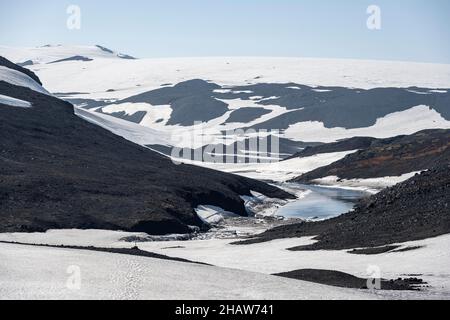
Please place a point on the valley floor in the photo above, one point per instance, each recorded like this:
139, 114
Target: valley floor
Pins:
228, 271
233, 271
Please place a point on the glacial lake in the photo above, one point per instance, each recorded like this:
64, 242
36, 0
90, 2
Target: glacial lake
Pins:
322, 203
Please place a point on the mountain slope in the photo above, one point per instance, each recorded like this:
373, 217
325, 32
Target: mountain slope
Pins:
59, 171
53, 53
8, 64
340, 146
297, 113
309, 100
416, 209
385, 157
19, 78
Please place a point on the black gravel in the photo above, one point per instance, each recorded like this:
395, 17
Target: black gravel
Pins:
383, 157
345, 280
127, 251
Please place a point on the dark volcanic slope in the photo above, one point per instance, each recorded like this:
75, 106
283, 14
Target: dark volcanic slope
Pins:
389, 157
334, 106
191, 101
415, 209
351, 108
340, 146
74, 58
345, 280
244, 115
126, 251
59, 171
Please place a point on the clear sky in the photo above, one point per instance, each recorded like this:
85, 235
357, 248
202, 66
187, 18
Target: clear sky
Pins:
411, 30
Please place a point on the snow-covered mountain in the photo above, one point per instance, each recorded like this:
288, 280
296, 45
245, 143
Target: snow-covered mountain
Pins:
49, 54
156, 101
195, 103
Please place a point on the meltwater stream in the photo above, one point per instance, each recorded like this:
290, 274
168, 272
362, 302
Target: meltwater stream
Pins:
322, 203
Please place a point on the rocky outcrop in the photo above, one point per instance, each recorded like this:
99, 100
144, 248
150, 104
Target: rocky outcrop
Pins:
387, 157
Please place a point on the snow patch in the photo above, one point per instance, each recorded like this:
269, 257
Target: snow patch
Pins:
398, 123
18, 78
372, 185
242, 91
131, 131
212, 215
156, 116
418, 92
50, 53
14, 102
321, 90
222, 91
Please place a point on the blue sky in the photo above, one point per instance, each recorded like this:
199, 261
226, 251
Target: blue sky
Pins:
412, 30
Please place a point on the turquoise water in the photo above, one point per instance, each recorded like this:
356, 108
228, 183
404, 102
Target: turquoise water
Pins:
322, 203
